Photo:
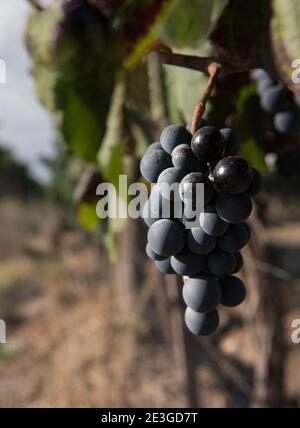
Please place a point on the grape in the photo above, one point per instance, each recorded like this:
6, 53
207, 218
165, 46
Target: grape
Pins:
154, 146
208, 193
265, 82
231, 142
166, 237
208, 144
152, 255
172, 136
184, 158
189, 191
211, 223
202, 293
159, 206
203, 122
220, 263
199, 242
188, 263
287, 122
147, 217
274, 98
201, 324
208, 252
258, 73
239, 261
233, 208
170, 177
235, 238
233, 174
233, 291
190, 214
153, 163
164, 266
255, 185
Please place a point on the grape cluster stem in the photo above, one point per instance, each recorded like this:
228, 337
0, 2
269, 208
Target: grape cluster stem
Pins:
213, 70
208, 65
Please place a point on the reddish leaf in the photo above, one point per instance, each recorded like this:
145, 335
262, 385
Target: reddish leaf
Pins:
241, 35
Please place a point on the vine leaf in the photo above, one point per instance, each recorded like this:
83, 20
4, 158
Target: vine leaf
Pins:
147, 25
40, 28
110, 153
190, 25
260, 34
83, 139
87, 216
241, 35
74, 86
184, 88
251, 137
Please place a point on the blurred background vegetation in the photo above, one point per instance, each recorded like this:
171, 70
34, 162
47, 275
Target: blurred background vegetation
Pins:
90, 320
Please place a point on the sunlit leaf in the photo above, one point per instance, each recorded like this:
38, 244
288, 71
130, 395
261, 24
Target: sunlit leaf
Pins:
40, 31
190, 23
146, 26
185, 88
81, 127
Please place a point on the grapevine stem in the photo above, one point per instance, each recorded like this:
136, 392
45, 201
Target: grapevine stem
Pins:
213, 69
186, 61
193, 62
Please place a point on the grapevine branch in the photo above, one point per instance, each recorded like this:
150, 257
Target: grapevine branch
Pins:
213, 70
186, 61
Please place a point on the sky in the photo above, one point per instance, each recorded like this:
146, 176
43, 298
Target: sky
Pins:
25, 126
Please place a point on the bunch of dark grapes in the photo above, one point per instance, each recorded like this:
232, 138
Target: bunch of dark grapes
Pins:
207, 255
276, 99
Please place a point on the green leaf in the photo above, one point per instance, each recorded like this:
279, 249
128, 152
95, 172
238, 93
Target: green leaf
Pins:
285, 35
87, 216
249, 113
144, 21
254, 154
45, 81
115, 166
185, 88
189, 25
111, 151
40, 29
81, 127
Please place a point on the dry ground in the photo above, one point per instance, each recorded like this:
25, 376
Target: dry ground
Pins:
66, 346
